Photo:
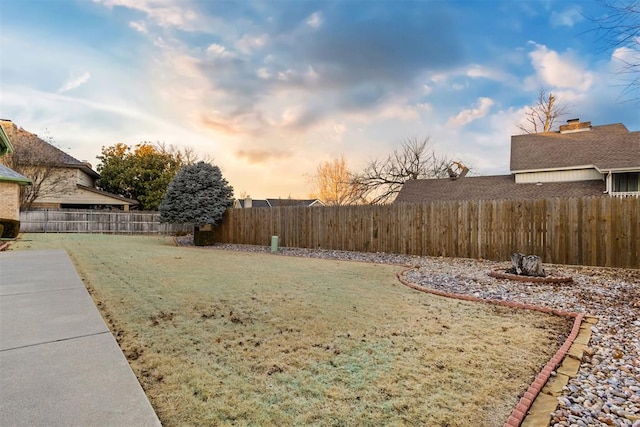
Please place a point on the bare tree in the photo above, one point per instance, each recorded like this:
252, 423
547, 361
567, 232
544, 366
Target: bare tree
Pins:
186, 156
381, 180
333, 182
32, 159
543, 114
620, 29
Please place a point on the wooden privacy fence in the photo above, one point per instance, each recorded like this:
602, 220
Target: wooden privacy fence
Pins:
91, 221
601, 231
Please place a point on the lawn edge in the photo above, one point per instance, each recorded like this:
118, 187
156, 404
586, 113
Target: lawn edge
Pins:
522, 408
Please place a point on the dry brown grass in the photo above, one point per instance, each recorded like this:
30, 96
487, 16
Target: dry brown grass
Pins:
227, 338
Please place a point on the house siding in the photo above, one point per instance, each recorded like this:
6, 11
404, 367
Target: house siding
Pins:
61, 182
10, 196
78, 197
559, 176
84, 179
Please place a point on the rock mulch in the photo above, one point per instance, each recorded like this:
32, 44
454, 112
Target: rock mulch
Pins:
606, 390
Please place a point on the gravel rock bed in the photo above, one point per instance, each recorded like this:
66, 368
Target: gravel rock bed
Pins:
606, 390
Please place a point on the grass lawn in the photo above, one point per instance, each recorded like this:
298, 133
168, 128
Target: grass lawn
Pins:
232, 338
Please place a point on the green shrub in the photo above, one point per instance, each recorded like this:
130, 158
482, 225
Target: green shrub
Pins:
10, 228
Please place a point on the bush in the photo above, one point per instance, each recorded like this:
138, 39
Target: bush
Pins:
10, 228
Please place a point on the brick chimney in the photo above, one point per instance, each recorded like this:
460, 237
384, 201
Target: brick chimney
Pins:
574, 125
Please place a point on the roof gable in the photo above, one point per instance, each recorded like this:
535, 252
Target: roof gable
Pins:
604, 147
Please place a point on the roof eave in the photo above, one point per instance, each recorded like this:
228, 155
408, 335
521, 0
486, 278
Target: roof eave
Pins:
565, 168
21, 181
5, 144
107, 194
631, 169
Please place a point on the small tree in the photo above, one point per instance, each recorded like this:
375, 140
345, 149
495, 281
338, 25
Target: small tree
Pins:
142, 172
543, 115
198, 194
334, 183
381, 180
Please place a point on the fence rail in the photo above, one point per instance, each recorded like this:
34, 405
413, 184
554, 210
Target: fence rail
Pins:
91, 221
599, 231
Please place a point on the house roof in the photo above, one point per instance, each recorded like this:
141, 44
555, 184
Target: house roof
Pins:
9, 175
492, 188
107, 194
293, 202
272, 203
25, 140
255, 203
605, 147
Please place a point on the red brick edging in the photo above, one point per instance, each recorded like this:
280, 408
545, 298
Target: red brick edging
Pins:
520, 411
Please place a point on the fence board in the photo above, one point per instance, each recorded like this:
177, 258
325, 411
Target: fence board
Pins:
89, 221
601, 231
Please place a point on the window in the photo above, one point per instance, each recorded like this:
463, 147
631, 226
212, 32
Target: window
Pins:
626, 182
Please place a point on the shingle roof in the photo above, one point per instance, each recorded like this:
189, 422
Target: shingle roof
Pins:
492, 188
9, 175
290, 202
605, 147
272, 203
255, 203
24, 140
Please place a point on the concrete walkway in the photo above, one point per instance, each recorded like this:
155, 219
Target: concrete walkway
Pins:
59, 364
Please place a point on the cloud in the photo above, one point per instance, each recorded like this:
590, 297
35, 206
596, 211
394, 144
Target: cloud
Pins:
259, 155
75, 82
249, 43
315, 20
467, 116
476, 71
561, 71
218, 51
139, 27
166, 13
389, 44
567, 18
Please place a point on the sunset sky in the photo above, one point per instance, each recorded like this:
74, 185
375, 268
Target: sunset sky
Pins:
269, 89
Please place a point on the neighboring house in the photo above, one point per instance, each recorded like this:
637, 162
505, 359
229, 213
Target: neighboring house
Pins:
10, 182
577, 160
71, 184
248, 202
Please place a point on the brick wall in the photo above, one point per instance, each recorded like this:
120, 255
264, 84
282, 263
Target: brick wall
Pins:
9, 200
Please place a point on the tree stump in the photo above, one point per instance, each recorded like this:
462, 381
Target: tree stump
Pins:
529, 265
203, 235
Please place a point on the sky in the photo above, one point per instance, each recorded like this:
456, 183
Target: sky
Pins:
268, 90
